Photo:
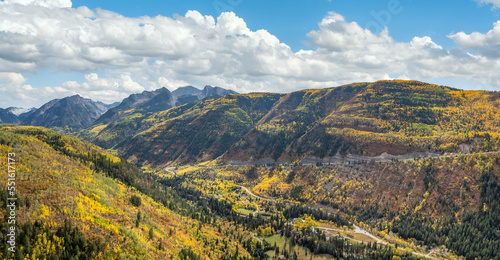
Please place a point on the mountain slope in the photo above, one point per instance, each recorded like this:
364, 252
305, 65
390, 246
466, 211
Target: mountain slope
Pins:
122, 121
76, 201
8, 117
366, 118
72, 113
200, 131
395, 117
406, 118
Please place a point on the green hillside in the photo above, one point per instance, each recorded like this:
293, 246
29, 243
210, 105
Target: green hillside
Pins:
193, 132
384, 170
369, 119
77, 202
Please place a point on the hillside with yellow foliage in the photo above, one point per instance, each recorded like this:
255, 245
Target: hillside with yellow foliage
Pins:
394, 117
449, 202
263, 175
72, 203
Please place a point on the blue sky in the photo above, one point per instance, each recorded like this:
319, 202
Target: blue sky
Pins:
306, 44
291, 20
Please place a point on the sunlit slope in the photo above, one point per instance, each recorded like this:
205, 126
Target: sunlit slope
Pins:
198, 132
451, 201
397, 117
75, 200
394, 117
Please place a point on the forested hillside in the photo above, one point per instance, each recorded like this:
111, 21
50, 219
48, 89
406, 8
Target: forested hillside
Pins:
394, 117
194, 132
121, 122
448, 205
440, 201
77, 202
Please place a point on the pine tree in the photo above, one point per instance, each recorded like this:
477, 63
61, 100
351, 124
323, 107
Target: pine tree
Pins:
151, 234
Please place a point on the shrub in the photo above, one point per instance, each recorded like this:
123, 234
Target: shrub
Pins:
135, 200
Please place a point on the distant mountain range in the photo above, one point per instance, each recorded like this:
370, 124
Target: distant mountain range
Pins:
316, 125
71, 114
14, 115
191, 94
21, 113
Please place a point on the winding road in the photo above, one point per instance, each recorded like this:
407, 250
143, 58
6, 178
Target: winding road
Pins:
253, 195
171, 170
350, 158
357, 229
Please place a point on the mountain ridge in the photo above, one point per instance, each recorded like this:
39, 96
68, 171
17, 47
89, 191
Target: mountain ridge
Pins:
118, 123
73, 112
396, 117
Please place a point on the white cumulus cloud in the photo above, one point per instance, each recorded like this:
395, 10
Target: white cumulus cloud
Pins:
151, 52
13, 88
486, 44
42, 3
495, 3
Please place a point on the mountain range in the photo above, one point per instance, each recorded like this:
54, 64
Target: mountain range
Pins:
376, 170
14, 115
189, 125
74, 113
397, 118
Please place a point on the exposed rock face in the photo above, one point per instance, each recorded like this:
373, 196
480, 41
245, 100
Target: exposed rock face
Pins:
73, 112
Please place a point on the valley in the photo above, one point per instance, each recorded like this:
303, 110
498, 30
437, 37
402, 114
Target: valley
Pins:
250, 130
266, 186
382, 170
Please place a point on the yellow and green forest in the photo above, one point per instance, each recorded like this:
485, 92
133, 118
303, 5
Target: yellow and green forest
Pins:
383, 170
